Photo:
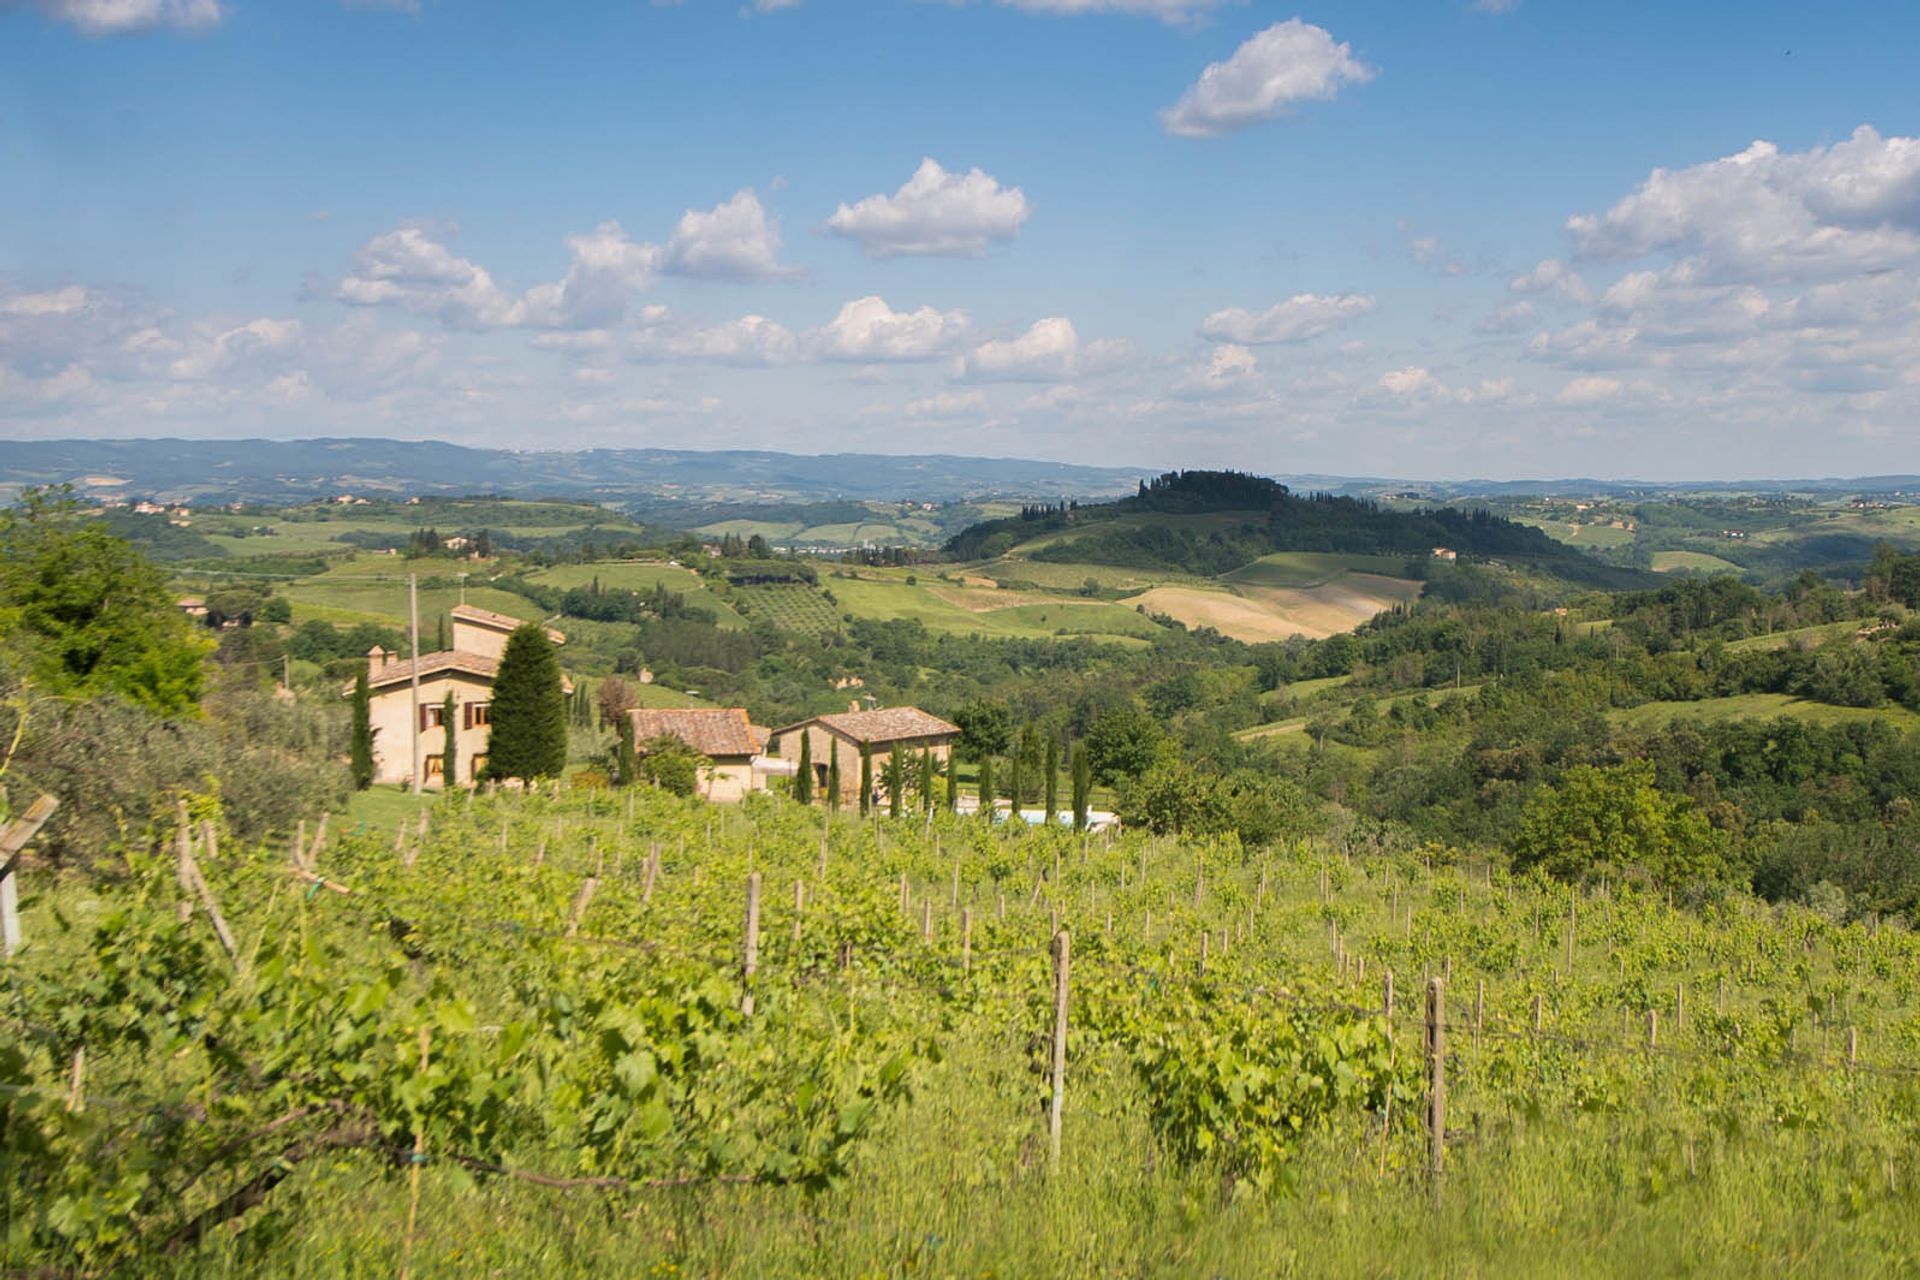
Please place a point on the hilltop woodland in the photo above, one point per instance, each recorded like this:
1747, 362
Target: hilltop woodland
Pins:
1654, 837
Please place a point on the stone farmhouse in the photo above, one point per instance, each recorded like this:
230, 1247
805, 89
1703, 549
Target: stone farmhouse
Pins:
467, 671
733, 745
907, 730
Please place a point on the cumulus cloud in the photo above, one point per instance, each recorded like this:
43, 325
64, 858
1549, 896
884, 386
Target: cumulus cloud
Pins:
750, 342
1289, 63
1229, 369
947, 404
1299, 318
1049, 351
1761, 213
127, 17
1552, 275
732, 241
934, 212
407, 268
867, 329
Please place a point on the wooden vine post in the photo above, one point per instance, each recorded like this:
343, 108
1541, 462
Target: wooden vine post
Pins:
12, 841
1062, 961
750, 948
1436, 1076
413, 1169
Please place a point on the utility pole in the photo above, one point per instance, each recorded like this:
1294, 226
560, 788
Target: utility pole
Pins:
286, 673
413, 625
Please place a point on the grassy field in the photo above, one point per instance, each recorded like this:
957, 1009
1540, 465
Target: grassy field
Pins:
1311, 569
1599, 536
885, 595
1817, 634
1762, 706
790, 606
1694, 561
1657, 1092
643, 576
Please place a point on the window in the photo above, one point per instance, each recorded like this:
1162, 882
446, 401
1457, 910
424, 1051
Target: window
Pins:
436, 767
479, 715
432, 717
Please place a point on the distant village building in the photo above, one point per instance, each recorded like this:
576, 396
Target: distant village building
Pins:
907, 730
733, 745
192, 606
144, 508
1445, 553
466, 671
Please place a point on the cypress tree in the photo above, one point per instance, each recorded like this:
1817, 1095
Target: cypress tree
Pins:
833, 775
1053, 777
440, 634
926, 780
1015, 783
529, 735
450, 752
1082, 788
896, 778
803, 770
953, 781
986, 787
627, 758
866, 777
362, 749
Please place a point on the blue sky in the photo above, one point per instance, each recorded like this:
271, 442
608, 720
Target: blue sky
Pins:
1420, 239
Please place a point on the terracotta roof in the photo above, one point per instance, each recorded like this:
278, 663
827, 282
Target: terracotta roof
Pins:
498, 621
713, 733
888, 724
401, 671
431, 664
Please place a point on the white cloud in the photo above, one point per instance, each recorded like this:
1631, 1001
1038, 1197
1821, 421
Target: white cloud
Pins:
1299, 318
732, 241
750, 342
934, 212
1176, 12
1048, 351
1288, 63
1551, 274
1410, 382
55, 302
1511, 318
867, 329
1589, 391
608, 269
1229, 369
1763, 214
947, 404
217, 352
125, 17
408, 269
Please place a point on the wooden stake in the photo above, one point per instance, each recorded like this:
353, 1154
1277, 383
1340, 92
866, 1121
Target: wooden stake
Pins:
926, 920
580, 902
750, 948
966, 940
76, 1095
799, 909
1538, 1007
413, 1172
12, 841
1386, 998
1436, 1076
1062, 960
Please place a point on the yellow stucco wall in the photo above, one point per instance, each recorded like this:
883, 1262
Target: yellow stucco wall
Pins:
392, 720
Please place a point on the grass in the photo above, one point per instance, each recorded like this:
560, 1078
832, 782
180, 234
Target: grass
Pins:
1816, 634
1691, 561
1758, 706
643, 576
790, 606
1599, 536
885, 595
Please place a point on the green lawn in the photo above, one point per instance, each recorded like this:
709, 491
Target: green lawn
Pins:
1817, 634
1579, 535
1696, 561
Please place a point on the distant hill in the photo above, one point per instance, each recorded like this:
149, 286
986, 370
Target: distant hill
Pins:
289, 471
1211, 523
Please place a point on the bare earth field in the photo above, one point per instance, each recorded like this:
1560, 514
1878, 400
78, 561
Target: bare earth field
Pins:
1256, 614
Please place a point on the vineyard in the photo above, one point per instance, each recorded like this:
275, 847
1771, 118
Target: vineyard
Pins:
613, 1031
790, 606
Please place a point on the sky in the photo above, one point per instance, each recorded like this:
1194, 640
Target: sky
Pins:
1422, 239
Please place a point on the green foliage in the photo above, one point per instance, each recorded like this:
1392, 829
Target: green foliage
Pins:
528, 737
1082, 788
1615, 820
360, 758
986, 728
866, 776
803, 770
83, 613
1124, 743
669, 763
1052, 773
450, 744
833, 774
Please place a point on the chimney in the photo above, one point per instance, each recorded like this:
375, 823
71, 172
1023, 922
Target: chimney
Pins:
376, 659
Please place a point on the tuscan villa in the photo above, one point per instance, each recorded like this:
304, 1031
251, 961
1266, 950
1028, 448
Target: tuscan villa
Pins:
466, 671
732, 744
907, 730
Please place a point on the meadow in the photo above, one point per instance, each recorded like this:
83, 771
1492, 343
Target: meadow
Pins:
528, 1035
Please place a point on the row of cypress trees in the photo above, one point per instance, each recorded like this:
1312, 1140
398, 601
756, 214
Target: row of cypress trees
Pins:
922, 773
